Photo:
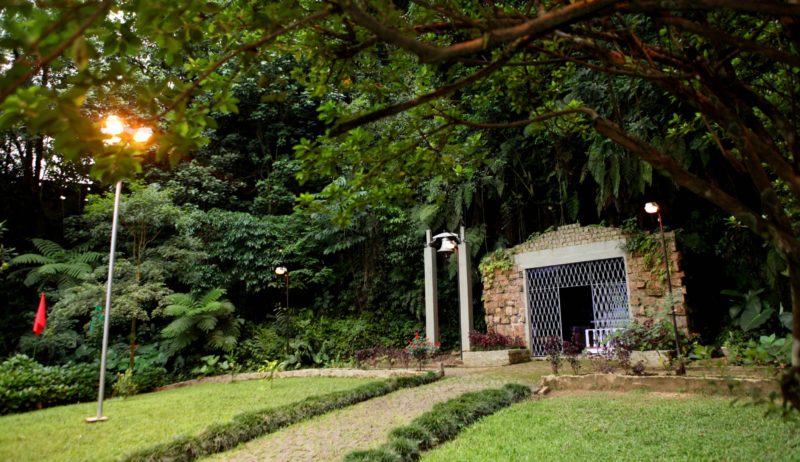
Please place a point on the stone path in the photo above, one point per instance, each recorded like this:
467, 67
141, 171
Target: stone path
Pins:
367, 424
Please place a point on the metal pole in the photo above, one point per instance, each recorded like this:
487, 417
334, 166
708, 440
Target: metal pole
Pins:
286, 277
107, 314
680, 369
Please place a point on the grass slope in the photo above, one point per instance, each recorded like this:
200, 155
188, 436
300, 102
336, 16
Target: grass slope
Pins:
60, 433
620, 427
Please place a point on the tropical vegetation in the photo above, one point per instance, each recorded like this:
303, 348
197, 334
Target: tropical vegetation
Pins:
325, 137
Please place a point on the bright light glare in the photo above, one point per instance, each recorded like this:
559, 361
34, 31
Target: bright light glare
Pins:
112, 140
142, 134
651, 207
281, 270
114, 126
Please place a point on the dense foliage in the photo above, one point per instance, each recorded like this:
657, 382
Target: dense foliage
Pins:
27, 385
327, 136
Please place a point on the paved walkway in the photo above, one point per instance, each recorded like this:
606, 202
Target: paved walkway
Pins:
365, 425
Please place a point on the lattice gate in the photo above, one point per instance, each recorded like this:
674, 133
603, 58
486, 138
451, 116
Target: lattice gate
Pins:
609, 296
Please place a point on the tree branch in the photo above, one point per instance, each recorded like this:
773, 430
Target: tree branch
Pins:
723, 38
246, 47
6, 92
548, 22
521, 123
406, 105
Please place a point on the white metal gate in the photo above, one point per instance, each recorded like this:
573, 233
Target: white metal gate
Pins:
609, 296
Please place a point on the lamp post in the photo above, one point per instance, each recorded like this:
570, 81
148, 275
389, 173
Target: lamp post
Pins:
282, 271
653, 208
115, 127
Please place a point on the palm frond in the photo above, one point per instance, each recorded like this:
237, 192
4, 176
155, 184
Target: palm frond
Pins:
206, 323
211, 296
177, 328
29, 259
47, 248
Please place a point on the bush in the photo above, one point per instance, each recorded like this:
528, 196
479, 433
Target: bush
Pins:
649, 335
149, 378
26, 385
492, 340
125, 386
261, 343
420, 348
553, 347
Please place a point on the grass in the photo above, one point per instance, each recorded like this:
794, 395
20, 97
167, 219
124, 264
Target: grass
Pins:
60, 433
619, 427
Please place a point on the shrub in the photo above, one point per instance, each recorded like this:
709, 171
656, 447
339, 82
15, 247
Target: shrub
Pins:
649, 335
572, 350
492, 340
149, 378
553, 346
125, 385
260, 343
421, 349
26, 384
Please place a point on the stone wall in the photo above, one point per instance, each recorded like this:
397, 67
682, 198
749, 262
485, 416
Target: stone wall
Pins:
504, 292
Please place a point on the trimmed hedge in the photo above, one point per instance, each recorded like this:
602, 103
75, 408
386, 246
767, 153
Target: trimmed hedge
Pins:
440, 424
247, 426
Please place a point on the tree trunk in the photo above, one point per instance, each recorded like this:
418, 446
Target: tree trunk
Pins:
133, 344
790, 382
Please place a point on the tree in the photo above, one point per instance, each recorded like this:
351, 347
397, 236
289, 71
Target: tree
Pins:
729, 66
153, 231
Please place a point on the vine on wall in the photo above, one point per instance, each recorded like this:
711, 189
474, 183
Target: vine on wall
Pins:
649, 247
500, 259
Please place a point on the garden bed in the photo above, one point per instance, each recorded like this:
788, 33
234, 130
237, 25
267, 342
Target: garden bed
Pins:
496, 357
320, 372
728, 386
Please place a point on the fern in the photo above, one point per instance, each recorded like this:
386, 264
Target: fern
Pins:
54, 265
207, 317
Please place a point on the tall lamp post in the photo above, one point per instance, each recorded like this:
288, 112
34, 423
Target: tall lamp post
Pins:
653, 208
117, 128
282, 271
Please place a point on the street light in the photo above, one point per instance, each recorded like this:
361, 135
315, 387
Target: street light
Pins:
115, 127
282, 271
653, 208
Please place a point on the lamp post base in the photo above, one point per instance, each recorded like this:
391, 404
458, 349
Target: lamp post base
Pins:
96, 419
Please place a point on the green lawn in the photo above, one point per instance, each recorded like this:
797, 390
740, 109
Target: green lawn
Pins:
633, 426
60, 433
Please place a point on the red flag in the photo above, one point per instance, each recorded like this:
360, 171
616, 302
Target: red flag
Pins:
41, 317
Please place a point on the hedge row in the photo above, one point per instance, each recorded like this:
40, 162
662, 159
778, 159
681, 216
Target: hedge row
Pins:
250, 425
26, 385
440, 424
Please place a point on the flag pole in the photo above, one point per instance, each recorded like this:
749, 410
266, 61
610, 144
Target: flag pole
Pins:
107, 315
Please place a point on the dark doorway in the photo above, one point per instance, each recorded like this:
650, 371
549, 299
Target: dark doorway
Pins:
576, 310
